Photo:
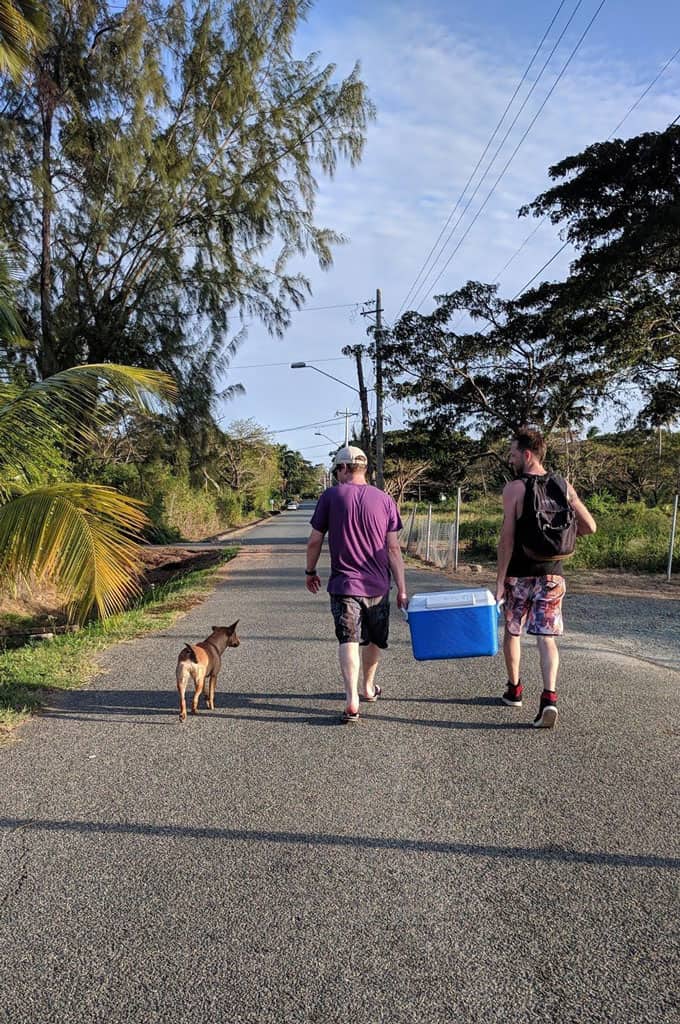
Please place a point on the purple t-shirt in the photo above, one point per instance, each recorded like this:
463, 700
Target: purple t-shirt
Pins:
357, 518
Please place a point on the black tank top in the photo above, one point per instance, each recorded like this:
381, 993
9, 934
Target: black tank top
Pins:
522, 565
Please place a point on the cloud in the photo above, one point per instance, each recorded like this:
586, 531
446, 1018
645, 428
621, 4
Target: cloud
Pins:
439, 93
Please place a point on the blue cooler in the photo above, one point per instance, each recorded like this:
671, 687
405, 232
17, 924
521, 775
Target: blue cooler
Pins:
453, 624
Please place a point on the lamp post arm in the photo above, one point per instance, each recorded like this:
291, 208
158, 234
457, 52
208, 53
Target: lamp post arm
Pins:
308, 366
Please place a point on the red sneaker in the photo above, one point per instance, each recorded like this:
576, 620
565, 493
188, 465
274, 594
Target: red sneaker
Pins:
547, 711
513, 695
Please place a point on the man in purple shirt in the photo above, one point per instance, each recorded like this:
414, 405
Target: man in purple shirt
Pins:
362, 523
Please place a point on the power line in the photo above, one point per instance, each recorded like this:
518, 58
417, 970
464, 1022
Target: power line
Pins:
518, 251
609, 137
305, 426
412, 289
490, 164
341, 305
642, 95
540, 271
521, 141
305, 309
313, 447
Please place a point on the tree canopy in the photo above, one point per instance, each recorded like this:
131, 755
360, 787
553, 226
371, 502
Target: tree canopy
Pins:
619, 204
160, 164
552, 356
514, 368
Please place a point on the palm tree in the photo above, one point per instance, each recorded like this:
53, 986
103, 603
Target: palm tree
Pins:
22, 23
83, 537
10, 328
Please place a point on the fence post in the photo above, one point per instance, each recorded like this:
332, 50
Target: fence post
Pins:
429, 533
452, 544
672, 543
410, 526
457, 533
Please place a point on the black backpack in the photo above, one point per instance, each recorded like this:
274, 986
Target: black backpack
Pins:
549, 525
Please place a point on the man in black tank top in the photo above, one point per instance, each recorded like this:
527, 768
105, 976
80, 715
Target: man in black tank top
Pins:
531, 588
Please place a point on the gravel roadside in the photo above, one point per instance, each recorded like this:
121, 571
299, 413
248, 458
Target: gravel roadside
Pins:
635, 615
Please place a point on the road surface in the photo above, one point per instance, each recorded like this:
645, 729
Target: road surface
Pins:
440, 861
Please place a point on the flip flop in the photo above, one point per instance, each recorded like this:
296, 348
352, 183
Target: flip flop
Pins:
373, 699
349, 716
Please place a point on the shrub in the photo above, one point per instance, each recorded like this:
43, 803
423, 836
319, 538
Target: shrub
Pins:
629, 536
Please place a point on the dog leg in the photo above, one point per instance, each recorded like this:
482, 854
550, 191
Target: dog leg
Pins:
210, 695
181, 689
199, 683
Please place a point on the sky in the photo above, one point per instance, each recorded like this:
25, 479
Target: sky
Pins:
441, 74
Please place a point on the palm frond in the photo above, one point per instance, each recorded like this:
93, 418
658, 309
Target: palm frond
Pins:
82, 537
22, 23
10, 327
71, 405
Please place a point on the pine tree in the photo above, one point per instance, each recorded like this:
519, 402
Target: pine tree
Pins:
161, 165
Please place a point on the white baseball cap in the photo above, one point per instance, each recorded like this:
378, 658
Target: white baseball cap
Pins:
349, 456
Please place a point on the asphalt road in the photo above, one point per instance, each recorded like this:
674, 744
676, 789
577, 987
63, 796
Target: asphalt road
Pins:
439, 861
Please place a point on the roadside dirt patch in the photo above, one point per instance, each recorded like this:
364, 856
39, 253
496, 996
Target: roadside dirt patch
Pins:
163, 564
38, 607
610, 582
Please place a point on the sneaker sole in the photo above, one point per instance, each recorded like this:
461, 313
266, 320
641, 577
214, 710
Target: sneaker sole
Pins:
372, 700
512, 703
547, 719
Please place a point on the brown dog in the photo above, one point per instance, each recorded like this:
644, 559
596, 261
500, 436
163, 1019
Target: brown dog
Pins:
202, 662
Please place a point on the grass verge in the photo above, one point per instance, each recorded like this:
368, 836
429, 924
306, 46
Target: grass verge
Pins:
28, 674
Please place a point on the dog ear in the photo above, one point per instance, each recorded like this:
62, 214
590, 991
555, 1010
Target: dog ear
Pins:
232, 629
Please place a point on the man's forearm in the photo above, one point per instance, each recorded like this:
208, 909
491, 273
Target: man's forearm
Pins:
504, 554
313, 551
397, 568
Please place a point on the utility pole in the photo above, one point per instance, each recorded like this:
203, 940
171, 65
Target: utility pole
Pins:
347, 413
357, 352
379, 447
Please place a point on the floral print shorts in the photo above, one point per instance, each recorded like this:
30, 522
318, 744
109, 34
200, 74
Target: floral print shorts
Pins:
534, 601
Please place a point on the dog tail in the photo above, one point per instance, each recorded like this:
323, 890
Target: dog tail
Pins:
189, 652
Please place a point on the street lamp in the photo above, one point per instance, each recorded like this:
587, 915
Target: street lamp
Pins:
346, 413
308, 366
318, 433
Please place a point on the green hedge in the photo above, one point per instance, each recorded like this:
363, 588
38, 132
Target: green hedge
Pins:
629, 536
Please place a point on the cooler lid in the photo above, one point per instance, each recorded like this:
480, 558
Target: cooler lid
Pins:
451, 599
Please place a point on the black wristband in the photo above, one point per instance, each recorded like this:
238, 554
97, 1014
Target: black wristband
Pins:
310, 572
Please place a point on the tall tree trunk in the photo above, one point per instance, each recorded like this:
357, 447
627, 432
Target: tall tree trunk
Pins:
48, 355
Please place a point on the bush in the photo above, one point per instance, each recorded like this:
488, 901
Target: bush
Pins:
629, 536
177, 510
229, 507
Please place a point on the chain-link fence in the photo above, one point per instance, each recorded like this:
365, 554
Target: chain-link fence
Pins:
436, 540
432, 540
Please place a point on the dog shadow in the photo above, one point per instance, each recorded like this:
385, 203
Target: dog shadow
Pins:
285, 708
101, 705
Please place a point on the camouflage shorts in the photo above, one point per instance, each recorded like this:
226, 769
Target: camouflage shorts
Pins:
361, 620
534, 601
